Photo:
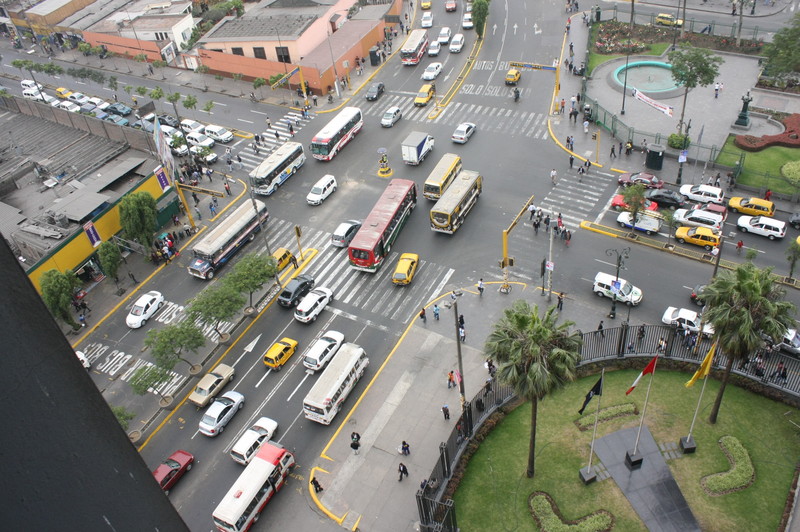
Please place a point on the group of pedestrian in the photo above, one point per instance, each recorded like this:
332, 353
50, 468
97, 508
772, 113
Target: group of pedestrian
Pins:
165, 248
193, 172
570, 143
572, 6
81, 308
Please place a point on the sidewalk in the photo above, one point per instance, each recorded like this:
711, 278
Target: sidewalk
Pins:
712, 118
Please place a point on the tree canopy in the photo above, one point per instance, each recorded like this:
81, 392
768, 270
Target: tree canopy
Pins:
480, 12
783, 53
110, 258
693, 67
251, 273
216, 304
169, 343
138, 217
58, 291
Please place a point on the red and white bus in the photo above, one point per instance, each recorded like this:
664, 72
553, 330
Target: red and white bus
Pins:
374, 240
414, 48
335, 136
266, 473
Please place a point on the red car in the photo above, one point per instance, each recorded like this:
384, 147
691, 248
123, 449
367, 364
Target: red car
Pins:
172, 469
618, 204
648, 180
450, 5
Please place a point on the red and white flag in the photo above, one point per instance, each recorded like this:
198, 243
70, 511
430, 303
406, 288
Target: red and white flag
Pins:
651, 368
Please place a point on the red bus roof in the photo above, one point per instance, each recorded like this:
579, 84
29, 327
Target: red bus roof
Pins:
270, 453
376, 223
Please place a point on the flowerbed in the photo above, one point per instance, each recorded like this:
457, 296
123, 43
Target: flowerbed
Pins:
790, 138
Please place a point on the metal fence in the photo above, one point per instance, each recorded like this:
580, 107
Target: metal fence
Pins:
438, 514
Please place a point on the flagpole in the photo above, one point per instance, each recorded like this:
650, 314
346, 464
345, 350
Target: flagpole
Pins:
596, 418
644, 409
697, 409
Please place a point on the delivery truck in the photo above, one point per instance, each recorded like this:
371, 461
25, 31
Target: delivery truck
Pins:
416, 147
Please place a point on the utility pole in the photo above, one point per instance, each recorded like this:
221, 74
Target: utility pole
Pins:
624, 254
681, 157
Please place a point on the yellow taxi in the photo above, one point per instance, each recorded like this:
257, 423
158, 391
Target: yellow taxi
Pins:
752, 206
512, 76
425, 95
63, 93
283, 257
277, 355
425, 4
699, 236
406, 268
665, 19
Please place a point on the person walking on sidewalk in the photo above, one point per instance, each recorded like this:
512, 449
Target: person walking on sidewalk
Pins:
403, 470
227, 188
600, 329
315, 483
405, 449
613, 154
462, 334
355, 445
480, 286
422, 315
571, 161
560, 304
451, 380
436, 312
553, 175
446, 412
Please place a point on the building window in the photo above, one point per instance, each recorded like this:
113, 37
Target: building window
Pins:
259, 53
237, 51
283, 54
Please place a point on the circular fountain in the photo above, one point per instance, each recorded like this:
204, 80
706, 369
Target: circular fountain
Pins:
653, 78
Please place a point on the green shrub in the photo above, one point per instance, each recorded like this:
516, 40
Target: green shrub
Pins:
791, 170
678, 141
547, 515
738, 477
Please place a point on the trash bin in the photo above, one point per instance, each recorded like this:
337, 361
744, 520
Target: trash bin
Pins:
655, 157
374, 58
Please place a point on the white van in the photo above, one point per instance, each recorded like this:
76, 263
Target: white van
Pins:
30, 84
645, 223
604, 286
321, 190
248, 445
32, 94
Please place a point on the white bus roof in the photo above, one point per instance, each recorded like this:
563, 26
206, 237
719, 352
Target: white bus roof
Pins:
222, 233
334, 374
456, 191
337, 123
274, 158
413, 40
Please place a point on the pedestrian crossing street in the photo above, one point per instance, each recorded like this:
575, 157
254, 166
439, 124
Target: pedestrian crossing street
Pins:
269, 142
488, 118
369, 296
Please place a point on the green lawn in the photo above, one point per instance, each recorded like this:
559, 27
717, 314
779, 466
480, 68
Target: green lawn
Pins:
596, 59
756, 164
495, 490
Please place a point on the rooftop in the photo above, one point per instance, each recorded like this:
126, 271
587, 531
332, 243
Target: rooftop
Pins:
340, 43
106, 13
248, 27
54, 178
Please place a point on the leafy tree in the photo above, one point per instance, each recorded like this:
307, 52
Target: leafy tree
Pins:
123, 416
692, 67
160, 65
157, 94
168, 344
174, 98
51, 69
480, 12
96, 50
179, 140
149, 378
216, 304
793, 255
58, 290
190, 102
128, 89
251, 273
137, 214
668, 215
140, 58
783, 53
202, 69
113, 83
633, 196
28, 65
741, 305
258, 83
535, 355
208, 106
110, 258
141, 91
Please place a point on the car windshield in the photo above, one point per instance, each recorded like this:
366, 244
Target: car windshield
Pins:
422, 94
316, 190
625, 289
388, 115
137, 310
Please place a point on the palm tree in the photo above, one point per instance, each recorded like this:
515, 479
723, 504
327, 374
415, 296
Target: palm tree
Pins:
743, 304
534, 355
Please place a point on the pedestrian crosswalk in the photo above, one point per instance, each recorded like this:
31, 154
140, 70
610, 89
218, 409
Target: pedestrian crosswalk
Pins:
370, 296
488, 118
575, 199
250, 158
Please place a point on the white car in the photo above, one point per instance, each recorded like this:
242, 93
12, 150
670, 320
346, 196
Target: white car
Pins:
444, 35
432, 71
100, 104
188, 125
84, 361
699, 218
466, 21
169, 134
322, 351
321, 190
220, 413
218, 133
144, 309
686, 319
312, 305
30, 84
463, 132
391, 116
427, 20
646, 224
762, 225
195, 138
248, 445
72, 107
703, 193
211, 158
78, 98
434, 48
457, 44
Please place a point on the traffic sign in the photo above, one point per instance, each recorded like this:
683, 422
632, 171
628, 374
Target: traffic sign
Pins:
550, 266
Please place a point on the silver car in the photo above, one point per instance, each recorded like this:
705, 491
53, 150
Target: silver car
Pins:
345, 233
220, 413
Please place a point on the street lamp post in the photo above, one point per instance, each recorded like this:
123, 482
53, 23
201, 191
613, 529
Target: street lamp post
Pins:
624, 254
625, 83
681, 157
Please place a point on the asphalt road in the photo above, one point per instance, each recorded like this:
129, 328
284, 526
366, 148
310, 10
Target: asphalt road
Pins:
513, 152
